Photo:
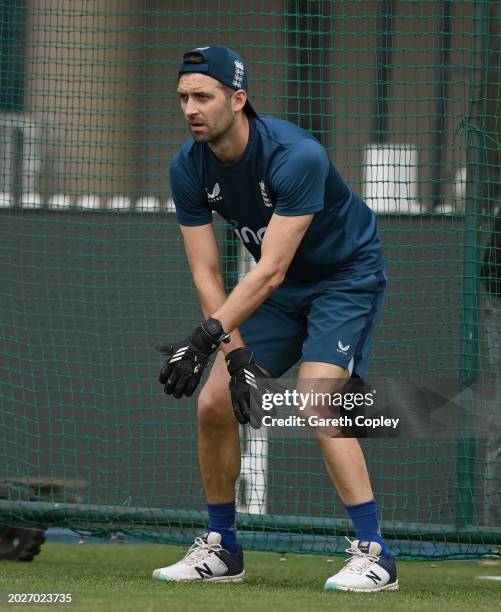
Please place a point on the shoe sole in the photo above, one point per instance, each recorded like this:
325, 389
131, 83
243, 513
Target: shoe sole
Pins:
336, 587
237, 578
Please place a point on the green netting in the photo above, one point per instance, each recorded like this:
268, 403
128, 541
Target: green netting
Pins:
405, 97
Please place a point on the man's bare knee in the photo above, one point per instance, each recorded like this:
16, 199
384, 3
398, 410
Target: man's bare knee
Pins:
214, 409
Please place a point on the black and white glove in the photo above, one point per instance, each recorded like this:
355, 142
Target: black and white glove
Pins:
246, 387
186, 360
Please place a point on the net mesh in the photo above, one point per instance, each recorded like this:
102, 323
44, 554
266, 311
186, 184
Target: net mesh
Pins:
405, 98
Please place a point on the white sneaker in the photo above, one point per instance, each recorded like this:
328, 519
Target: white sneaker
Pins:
206, 560
366, 571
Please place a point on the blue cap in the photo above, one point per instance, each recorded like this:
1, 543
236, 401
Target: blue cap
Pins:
222, 64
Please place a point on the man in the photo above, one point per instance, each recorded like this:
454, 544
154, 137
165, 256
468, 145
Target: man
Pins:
314, 295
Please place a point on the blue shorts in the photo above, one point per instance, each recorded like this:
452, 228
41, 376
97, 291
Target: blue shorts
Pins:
330, 321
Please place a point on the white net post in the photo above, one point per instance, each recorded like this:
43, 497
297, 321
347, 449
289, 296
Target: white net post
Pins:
252, 484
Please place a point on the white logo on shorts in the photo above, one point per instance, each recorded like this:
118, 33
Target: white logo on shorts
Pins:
342, 349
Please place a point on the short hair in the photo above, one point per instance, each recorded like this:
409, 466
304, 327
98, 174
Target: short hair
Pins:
228, 91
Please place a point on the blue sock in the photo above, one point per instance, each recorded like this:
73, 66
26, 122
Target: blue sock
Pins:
366, 522
222, 520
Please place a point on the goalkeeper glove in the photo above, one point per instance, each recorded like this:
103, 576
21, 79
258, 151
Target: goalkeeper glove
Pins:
186, 360
246, 394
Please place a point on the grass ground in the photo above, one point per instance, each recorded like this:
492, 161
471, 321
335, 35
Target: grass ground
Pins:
117, 577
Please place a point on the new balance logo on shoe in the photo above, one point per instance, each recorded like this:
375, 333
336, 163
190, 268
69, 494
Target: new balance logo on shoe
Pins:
204, 571
374, 577
364, 546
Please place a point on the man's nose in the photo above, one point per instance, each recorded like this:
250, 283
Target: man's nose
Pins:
191, 107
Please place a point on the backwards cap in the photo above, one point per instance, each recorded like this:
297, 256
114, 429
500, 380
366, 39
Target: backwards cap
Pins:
220, 63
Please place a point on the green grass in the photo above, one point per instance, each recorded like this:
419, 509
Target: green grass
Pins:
116, 577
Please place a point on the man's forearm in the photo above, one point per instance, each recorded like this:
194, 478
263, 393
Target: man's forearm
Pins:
251, 292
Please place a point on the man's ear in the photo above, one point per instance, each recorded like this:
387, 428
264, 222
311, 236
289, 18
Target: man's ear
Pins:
239, 99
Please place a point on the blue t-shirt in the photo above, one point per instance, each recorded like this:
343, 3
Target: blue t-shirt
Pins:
286, 171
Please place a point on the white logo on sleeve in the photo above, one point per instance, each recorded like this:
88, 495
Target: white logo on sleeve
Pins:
342, 349
214, 195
